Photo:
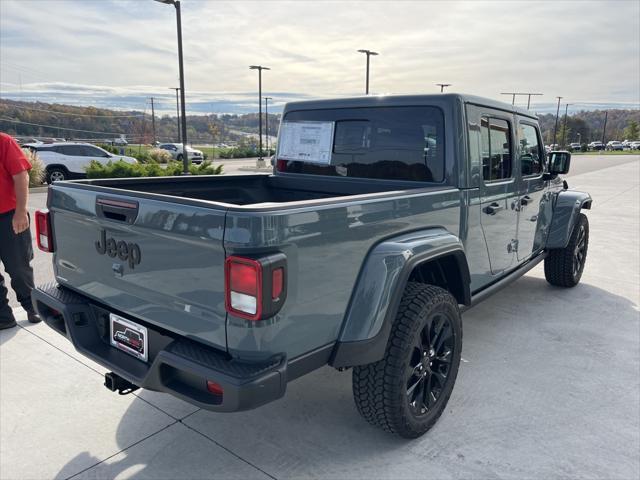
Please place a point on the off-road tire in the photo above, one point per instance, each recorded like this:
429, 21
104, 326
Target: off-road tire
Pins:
560, 264
380, 388
55, 174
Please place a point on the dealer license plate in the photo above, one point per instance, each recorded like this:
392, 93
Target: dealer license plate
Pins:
128, 336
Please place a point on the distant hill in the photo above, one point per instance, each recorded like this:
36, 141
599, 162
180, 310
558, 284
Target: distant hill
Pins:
65, 121
589, 125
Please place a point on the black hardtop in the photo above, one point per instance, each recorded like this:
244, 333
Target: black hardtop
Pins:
405, 100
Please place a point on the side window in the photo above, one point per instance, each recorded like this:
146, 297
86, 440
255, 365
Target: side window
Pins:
531, 156
92, 151
496, 149
71, 150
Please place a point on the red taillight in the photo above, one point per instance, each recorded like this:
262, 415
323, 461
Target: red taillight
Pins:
243, 289
215, 388
43, 231
281, 165
277, 283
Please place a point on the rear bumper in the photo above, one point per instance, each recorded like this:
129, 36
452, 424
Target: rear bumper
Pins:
177, 365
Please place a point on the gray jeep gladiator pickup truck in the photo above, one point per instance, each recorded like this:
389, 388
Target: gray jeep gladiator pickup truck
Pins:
384, 218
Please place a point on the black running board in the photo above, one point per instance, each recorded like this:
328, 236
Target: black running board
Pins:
486, 292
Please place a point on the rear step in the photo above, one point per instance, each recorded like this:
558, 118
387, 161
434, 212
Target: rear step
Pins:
115, 382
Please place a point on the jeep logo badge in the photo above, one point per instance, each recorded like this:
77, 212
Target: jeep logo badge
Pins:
124, 251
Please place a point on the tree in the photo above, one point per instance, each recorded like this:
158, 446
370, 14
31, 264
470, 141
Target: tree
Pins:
632, 131
563, 135
214, 130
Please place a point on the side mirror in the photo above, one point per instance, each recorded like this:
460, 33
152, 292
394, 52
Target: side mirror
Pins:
559, 162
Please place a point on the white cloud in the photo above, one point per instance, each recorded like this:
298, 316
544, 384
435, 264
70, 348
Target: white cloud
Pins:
584, 51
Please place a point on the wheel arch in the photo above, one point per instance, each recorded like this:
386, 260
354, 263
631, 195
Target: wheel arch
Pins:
433, 256
56, 165
567, 206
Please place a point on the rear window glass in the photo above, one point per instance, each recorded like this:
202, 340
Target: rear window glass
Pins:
397, 143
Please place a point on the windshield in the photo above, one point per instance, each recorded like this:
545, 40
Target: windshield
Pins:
396, 143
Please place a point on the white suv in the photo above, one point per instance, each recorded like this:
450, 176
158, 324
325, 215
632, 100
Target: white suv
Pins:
175, 149
66, 161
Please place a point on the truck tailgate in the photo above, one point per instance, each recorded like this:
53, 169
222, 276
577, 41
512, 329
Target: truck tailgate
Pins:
158, 261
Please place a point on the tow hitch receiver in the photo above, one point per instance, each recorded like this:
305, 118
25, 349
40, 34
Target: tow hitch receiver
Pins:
115, 383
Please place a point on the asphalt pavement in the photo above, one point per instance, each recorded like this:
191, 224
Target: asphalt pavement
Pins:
549, 387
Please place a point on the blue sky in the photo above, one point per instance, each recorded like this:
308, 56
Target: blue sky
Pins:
118, 53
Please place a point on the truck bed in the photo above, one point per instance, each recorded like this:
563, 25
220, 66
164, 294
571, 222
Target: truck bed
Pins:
251, 190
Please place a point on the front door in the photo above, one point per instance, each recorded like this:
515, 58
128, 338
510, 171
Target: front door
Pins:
534, 204
498, 192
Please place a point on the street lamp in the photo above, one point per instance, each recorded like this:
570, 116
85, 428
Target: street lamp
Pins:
564, 127
555, 129
260, 162
442, 86
177, 89
185, 156
368, 53
266, 122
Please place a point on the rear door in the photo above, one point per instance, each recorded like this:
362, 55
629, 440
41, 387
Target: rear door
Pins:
157, 261
498, 190
72, 157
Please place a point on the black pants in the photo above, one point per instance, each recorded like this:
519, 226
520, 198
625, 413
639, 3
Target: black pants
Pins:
16, 254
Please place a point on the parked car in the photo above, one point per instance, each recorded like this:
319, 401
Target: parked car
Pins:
175, 149
69, 160
596, 146
635, 145
574, 146
614, 145
384, 219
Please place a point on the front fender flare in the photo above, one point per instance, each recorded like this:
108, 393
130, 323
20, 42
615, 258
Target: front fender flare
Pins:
565, 211
379, 288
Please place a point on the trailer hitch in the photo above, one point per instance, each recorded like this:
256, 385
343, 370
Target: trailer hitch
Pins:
115, 382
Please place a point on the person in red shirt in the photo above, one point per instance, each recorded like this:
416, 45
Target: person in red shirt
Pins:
16, 251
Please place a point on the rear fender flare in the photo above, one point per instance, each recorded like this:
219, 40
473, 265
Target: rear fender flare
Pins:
565, 212
378, 290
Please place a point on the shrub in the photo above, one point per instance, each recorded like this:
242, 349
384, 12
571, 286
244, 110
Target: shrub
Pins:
109, 148
37, 172
122, 169
159, 155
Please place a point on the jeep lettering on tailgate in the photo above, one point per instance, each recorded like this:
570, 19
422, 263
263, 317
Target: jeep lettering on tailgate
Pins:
124, 251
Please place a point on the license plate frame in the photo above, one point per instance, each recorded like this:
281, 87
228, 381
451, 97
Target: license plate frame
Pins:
129, 337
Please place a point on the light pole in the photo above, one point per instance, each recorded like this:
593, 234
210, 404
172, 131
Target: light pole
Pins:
266, 121
555, 129
513, 99
368, 53
604, 127
442, 86
260, 162
185, 156
564, 127
153, 121
177, 89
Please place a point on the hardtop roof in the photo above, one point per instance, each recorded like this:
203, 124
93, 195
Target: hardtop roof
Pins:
405, 100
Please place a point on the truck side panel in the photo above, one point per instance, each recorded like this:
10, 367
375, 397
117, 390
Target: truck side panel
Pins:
325, 247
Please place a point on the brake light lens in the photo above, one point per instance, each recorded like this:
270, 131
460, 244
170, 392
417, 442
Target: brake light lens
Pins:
43, 231
215, 388
243, 289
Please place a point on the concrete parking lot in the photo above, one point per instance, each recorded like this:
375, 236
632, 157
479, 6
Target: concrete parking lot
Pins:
549, 387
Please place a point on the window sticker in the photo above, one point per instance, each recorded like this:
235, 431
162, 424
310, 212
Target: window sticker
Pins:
309, 142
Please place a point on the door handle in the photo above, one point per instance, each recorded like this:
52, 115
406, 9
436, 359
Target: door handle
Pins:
492, 208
